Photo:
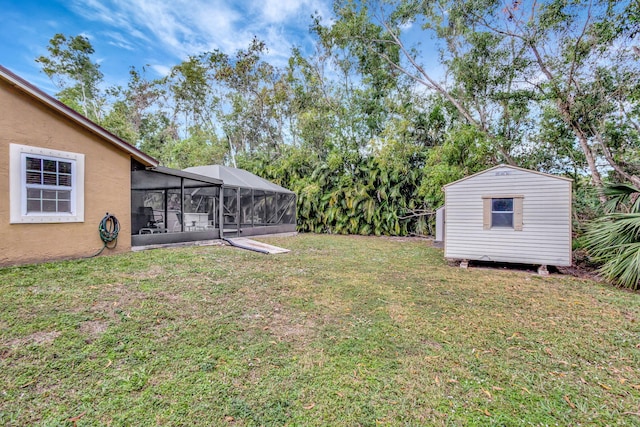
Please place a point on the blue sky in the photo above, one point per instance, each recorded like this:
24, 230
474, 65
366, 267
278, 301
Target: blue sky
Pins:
153, 33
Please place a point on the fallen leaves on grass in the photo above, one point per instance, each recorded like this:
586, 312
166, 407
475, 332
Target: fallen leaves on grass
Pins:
566, 398
77, 418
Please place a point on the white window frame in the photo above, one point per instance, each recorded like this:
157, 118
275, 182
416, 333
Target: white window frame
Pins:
18, 185
502, 212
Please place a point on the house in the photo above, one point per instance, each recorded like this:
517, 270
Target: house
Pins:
509, 214
60, 173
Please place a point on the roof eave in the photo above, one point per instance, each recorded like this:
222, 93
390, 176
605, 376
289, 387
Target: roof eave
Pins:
444, 187
76, 117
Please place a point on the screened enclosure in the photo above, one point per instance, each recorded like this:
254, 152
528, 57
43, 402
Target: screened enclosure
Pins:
251, 205
170, 206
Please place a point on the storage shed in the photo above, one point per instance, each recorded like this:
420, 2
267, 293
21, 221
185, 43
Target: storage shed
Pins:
251, 205
509, 214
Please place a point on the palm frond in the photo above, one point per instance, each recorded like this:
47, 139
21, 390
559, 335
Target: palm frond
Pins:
614, 241
624, 269
622, 196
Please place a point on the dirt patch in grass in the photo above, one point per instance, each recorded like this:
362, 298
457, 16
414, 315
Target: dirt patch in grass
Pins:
36, 338
432, 344
114, 298
397, 313
171, 297
93, 329
275, 318
153, 272
414, 239
286, 328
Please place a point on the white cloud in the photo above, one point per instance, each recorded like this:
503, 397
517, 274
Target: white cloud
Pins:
119, 40
179, 27
188, 27
276, 11
162, 70
407, 26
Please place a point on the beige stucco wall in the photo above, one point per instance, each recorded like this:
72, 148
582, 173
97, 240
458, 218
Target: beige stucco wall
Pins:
26, 121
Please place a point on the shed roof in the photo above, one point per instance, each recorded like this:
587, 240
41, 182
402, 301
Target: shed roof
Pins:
234, 177
509, 167
31, 90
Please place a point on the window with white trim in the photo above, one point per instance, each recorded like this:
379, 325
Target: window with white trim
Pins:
49, 184
502, 212
46, 185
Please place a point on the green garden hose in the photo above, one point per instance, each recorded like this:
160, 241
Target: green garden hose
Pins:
108, 229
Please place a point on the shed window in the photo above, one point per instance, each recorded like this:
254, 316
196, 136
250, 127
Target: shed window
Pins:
502, 211
46, 185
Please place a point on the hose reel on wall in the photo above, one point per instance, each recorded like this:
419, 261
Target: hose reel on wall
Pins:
108, 229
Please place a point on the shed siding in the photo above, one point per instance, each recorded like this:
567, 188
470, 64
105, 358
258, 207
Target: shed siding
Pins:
106, 188
546, 223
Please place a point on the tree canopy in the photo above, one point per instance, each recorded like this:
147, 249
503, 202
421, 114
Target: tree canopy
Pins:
398, 98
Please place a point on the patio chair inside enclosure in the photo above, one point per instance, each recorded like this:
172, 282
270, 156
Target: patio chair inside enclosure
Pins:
149, 221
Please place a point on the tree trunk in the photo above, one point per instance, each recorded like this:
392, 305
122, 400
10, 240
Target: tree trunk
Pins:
588, 154
607, 155
430, 83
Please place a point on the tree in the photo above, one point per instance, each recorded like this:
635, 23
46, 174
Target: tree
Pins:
195, 104
313, 109
577, 48
374, 29
509, 60
254, 94
194, 98
70, 67
198, 149
332, 113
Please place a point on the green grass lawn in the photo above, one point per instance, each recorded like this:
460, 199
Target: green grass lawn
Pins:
341, 331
